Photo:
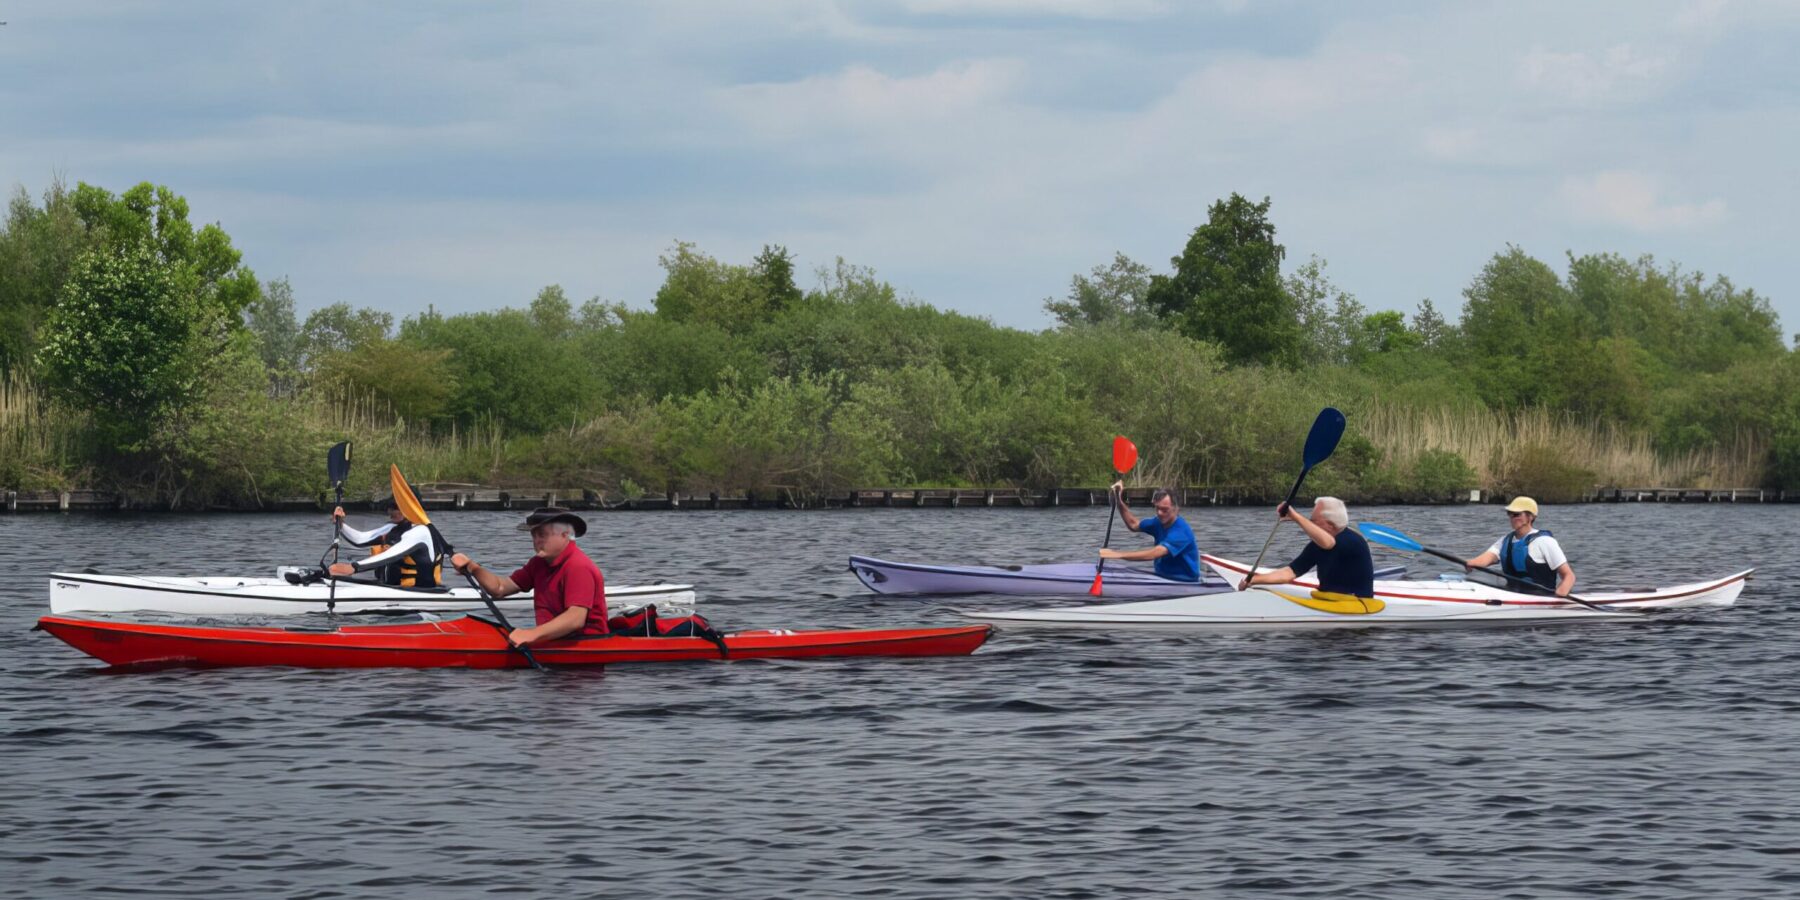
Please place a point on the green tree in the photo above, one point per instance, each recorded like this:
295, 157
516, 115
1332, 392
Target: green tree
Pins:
1109, 295
1227, 287
38, 250
271, 318
338, 329
699, 288
125, 341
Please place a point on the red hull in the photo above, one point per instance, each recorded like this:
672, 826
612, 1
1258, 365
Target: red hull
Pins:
469, 644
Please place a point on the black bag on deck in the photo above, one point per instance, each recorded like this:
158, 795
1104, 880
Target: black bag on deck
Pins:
645, 622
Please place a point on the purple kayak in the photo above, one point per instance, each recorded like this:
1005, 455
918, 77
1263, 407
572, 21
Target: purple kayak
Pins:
1121, 581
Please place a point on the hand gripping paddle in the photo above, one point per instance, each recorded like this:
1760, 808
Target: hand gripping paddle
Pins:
1124, 456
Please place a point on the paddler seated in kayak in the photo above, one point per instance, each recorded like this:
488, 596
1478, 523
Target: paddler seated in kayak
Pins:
567, 591
1177, 556
406, 555
1335, 549
375, 537
1527, 553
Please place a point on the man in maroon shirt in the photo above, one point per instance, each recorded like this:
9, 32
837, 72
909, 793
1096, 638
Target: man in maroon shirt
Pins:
567, 589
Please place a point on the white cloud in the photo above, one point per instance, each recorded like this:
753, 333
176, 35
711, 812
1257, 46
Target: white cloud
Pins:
1633, 200
863, 96
1584, 79
1078, 9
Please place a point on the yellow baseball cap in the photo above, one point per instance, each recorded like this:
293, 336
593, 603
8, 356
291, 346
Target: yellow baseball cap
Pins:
1522, 504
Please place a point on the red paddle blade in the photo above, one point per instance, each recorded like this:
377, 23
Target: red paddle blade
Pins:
1095, 588
1124, 456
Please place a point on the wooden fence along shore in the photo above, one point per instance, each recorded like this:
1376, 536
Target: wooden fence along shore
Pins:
473, 497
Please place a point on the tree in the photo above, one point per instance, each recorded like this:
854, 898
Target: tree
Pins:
551, 312
1109, 295
1227, 287
38, 250
338, 328
699, 288
124, 341
271, 318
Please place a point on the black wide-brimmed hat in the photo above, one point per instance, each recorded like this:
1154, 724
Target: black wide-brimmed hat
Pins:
544, 515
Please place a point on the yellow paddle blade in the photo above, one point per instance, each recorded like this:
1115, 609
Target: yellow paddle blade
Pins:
403, 497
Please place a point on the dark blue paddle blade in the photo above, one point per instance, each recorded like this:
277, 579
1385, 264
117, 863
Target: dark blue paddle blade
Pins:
1389, 537
1326, 430
337, 462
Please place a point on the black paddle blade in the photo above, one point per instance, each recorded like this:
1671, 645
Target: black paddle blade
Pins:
337, 462
1327, 429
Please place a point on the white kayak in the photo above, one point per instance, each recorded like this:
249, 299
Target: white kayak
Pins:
1260, 608
230, 596
1417, 604
1717, 592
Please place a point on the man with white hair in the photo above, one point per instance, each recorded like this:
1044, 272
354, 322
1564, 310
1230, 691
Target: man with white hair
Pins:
567, 590
1337, 550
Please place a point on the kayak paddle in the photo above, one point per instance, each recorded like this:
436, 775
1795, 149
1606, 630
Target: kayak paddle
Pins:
337, 468
1327, 429
1399, 540
502, 625
1124, 454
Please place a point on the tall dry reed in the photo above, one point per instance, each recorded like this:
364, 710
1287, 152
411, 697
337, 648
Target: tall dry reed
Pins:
1496, 443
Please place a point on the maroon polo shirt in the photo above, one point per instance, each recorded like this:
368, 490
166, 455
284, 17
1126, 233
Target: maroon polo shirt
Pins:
572, 580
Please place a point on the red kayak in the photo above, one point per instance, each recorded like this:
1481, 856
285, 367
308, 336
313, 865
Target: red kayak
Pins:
470, 643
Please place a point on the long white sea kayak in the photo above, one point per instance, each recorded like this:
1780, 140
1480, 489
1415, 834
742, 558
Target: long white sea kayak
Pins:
1717, 592
1121, 581
1417, 604
1262, 608
227, 595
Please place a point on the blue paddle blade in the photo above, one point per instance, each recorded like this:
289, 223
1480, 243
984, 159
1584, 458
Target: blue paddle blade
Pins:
1326, 430
1389, 537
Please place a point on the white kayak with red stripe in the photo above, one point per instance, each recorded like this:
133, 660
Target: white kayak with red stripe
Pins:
1717, 592
1414, 604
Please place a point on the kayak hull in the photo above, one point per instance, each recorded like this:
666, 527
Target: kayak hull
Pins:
1261, 608
234, 596
469, 643
1717, 592
1119, 581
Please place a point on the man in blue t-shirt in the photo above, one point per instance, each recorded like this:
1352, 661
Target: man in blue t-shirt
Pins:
1177, 556
1340, 554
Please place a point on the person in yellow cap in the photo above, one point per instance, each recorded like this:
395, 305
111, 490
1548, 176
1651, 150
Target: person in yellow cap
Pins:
1528, 553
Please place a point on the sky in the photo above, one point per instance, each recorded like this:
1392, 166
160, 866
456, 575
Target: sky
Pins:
976, 154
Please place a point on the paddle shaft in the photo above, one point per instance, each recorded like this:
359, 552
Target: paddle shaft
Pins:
506, 626
1289, 502
1499, 574
1114, 514
337, 537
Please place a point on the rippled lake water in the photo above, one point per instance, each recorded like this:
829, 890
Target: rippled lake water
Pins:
1623, 760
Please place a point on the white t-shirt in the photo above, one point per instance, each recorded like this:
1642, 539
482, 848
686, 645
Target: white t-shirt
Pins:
1545, 550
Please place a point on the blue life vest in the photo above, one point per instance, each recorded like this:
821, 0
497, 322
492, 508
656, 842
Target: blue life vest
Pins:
1515, 560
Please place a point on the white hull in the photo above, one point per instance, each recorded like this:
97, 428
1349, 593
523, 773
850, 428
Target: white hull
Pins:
1718, 592
228, 596
1260, 608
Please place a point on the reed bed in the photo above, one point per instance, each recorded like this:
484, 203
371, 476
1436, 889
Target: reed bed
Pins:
1508, 450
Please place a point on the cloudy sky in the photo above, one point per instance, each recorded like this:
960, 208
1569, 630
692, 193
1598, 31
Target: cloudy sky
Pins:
975, 153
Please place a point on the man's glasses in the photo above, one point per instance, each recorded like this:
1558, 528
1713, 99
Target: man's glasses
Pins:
1164, 509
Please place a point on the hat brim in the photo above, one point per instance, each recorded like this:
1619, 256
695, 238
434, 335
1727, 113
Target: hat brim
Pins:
575, 521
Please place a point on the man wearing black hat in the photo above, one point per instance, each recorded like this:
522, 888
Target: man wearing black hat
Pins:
568, 591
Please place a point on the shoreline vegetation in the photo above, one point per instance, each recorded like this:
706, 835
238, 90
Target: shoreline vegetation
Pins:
140, 356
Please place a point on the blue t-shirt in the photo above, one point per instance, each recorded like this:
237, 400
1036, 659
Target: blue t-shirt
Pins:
1344, 569
1182, 562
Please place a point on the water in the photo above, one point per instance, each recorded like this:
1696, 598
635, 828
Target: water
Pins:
1637, 760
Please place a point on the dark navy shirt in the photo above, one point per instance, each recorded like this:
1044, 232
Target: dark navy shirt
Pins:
1182, 562
1344, 569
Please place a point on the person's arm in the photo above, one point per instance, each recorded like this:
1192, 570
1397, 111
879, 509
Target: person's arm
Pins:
1282, 575
356, 537
1487, 558
566, 623
1156, 552
1125, 514
495, 585
1565, 580
1321, 538
416, 543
